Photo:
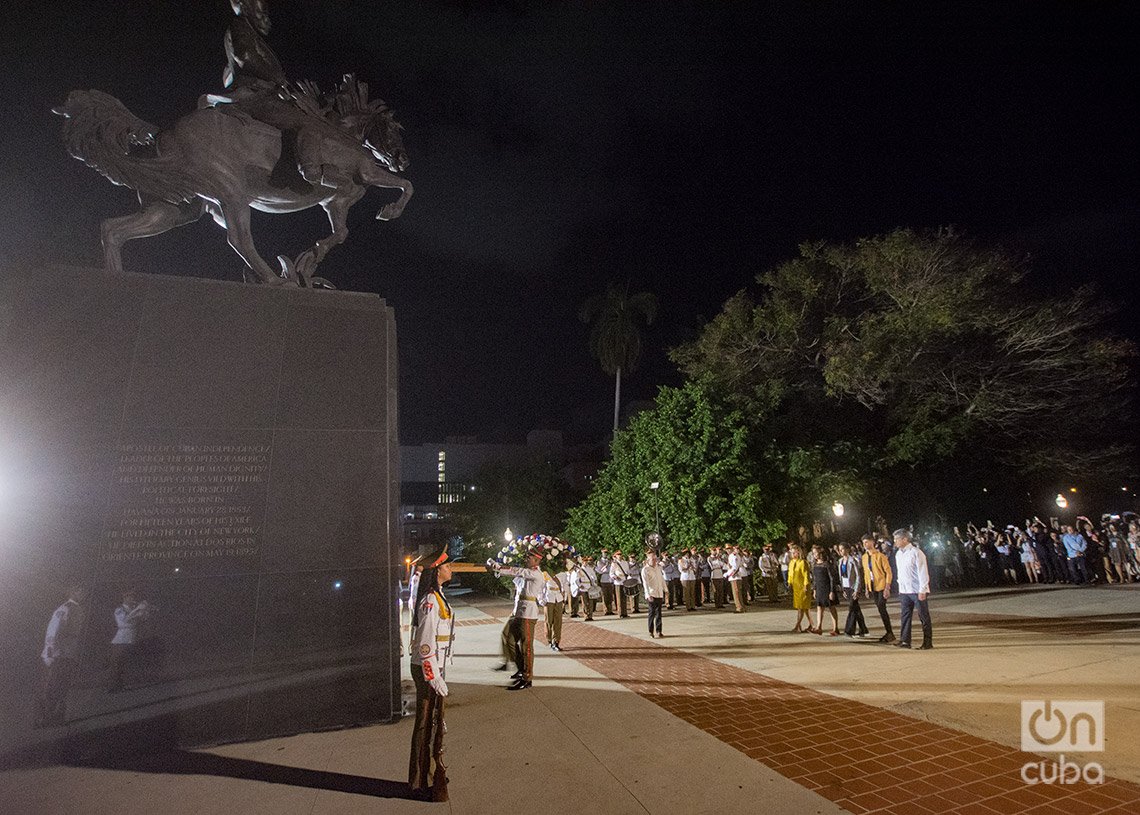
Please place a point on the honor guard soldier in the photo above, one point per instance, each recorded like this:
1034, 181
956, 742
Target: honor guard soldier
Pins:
554, 599
518, 635
433, 626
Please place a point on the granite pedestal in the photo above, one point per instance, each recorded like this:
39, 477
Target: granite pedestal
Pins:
226, 453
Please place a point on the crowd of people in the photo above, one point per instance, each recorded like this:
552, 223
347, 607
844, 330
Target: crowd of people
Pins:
1081, 553
820, 579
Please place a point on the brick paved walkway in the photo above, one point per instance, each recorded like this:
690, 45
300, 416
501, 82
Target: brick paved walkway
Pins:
864, 758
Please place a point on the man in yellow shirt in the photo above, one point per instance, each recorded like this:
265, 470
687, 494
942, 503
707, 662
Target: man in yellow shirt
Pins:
877, 580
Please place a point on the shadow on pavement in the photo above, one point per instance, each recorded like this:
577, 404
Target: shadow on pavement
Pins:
184, 762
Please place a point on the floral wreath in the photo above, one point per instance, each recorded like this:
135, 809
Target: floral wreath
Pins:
553, 552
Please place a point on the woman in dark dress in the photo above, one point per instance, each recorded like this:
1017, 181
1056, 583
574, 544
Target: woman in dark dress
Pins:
825, 584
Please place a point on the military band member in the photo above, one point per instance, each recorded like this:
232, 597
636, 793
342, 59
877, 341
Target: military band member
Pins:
770, 572
633, 583
577, 596
519, 631
748, 571
618, 576
717, 565
432, 629
704, 575
584, 581
672, 581
687, 564
734, 574
553, 605
606, 582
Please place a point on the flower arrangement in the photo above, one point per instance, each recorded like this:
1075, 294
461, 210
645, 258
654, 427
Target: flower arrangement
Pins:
554, 552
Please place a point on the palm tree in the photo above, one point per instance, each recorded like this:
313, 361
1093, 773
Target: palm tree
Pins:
615, 320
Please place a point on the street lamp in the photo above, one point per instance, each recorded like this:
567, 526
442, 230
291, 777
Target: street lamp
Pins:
838, 509
656, 515
1061, 501
508, 535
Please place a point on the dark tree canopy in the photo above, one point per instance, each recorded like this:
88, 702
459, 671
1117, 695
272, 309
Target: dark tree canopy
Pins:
911, 348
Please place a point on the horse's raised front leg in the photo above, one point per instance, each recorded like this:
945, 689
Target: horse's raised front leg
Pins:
376, 176
235, 218
153, 219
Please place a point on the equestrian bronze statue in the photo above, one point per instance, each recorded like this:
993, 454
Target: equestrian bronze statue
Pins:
268, 144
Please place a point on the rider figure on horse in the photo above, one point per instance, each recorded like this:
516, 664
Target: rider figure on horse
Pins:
260, 87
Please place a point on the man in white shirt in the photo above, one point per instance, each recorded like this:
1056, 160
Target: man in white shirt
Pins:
60, 659
518, 635
914, 587
633, 582
124, 645
618, 574
606, 582
584, 588
687, 564
704, 578
554, 596
716, 576
747, 571
653, 581
672, 581
770, 572
735, 578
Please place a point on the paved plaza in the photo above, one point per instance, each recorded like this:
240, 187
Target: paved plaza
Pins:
727, 713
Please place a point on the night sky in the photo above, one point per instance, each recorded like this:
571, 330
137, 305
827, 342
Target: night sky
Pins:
682, 147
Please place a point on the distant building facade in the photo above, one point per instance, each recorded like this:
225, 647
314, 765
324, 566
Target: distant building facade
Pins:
436, 477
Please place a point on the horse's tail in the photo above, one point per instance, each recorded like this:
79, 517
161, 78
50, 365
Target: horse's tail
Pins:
100, 131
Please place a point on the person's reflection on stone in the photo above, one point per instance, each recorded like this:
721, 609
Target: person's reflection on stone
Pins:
60, 659
129, 618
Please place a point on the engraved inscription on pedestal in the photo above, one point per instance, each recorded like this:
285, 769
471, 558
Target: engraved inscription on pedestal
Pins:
190, 502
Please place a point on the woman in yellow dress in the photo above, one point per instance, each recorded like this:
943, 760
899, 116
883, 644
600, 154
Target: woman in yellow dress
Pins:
799, 581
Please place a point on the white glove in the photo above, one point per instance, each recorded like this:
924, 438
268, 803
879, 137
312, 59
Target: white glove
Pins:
438, 685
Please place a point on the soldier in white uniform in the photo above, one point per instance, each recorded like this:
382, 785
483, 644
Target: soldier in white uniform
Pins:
633, 582
689, 569
554, 606
585, 587
519, 632
433, 627
716, 569
672, 581
735, 577
618, 575
770, 571
606, 582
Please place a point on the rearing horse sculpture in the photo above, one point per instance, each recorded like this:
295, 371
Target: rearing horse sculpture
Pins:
221, 161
